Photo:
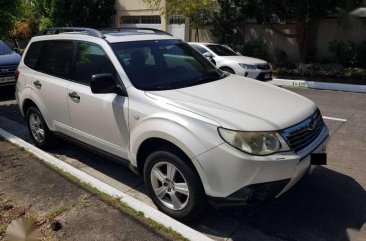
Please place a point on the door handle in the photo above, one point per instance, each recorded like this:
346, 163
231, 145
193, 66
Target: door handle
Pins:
74, 95
37, 84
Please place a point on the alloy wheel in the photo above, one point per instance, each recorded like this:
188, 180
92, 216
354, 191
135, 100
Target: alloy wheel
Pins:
169, 185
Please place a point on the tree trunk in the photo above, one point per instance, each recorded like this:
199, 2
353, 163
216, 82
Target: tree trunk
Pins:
196, 34
307, 35
301, 37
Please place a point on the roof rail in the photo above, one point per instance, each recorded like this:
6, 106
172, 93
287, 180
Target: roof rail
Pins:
88, 31
130, 29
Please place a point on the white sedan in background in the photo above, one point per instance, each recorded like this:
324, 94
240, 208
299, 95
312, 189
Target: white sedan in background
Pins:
232, 62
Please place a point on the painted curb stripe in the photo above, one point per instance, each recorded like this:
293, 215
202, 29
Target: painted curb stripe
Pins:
319, 85
148, 211
335, 119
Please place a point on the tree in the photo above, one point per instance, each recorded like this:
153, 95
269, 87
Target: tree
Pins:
9, 10
305, 14
195, 11
85, 13
26, 24
228, 23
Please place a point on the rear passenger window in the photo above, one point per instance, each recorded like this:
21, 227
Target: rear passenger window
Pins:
33, 55
91, 60
59, 58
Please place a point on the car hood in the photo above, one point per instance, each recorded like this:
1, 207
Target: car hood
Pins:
240, 103
244, 59
10, 59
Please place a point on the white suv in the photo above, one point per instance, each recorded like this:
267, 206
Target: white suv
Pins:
145, 98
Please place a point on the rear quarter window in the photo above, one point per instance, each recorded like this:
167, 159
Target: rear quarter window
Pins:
58, 59
33, 55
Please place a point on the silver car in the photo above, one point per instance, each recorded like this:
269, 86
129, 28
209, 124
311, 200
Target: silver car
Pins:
196, 134
227, 60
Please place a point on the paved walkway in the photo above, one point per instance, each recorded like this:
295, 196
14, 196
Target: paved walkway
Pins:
62, 209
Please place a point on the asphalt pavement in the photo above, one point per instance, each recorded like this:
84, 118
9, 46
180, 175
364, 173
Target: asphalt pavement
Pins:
328, 205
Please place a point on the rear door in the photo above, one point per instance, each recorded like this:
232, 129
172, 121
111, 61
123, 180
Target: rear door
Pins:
100, 120
50, 84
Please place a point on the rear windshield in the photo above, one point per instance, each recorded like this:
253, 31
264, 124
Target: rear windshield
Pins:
164, 64
221, 50
4, 49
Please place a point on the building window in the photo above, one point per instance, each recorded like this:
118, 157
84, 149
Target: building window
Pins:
151, 19
130, 20
176, 19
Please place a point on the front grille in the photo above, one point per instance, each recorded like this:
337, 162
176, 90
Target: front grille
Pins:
303, 134
7, 70
263, 66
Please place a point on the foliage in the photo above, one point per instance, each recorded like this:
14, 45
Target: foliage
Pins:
45, 23
305, 15
255, 48
27, 22
228, 23
195, 11
325, 73
9, 11
85, 13
280, 59
348, 53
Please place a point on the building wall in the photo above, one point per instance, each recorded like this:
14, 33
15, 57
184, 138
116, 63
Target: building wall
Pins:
352, 29
136, 8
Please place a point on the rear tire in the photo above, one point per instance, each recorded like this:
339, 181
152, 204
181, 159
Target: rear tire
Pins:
38, 130
174, 186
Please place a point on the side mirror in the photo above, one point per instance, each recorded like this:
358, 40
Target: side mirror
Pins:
105, 84
208, 55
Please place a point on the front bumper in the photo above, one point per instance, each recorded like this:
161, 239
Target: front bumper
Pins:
234, 177
258, 74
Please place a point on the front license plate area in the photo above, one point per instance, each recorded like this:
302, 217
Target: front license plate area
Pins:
318, 159
267, 76
8, 79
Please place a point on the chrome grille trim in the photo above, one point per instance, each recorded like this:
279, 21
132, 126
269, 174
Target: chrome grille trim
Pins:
301, 135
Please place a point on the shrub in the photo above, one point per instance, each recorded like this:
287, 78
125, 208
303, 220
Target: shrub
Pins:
280, 59
256, 49
348, 54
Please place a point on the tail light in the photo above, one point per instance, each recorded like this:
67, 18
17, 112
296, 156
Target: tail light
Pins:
16, 75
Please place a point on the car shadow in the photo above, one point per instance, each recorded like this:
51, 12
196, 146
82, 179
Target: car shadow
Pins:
7, 93
327, 205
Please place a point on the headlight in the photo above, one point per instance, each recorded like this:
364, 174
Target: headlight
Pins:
255, 143
248, 66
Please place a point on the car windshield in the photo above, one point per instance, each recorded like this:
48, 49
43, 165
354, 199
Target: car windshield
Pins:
164, 64
221, 50
4, 49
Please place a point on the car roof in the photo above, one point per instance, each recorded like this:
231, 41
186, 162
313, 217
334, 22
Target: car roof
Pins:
113, 35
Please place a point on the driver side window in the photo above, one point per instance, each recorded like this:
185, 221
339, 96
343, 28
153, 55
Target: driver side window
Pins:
90, 60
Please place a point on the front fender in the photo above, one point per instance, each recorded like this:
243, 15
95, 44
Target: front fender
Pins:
191, 135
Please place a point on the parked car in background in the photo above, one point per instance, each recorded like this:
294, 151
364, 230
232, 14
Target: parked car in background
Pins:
230, 61
9, 61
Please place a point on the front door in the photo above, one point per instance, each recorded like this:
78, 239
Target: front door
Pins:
100, 120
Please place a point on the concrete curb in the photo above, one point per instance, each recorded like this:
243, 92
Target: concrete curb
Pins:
148, 211
319, 85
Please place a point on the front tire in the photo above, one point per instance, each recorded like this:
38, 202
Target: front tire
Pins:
39, 132
174, 186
